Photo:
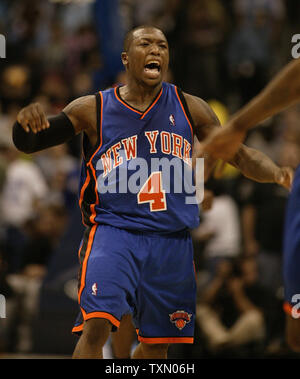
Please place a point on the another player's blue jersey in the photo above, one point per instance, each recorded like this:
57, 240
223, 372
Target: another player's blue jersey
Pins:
139, 176
291, 248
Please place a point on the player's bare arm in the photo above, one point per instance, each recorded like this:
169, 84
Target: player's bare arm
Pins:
82, 114
252, 163
204, 120
257, 166
33, 131
281, 92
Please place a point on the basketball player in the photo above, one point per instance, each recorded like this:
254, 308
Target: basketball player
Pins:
281, 92
136, 254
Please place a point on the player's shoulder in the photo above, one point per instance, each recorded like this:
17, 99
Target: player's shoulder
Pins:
82, 112
81, 104
199, 109
195, 103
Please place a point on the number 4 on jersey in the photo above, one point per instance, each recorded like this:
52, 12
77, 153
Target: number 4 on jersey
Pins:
152, 192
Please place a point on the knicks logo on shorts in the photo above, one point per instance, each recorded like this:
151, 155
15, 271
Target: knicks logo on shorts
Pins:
180, 319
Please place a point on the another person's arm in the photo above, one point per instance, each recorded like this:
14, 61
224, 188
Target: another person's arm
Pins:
282, 92
252, 163
257, 166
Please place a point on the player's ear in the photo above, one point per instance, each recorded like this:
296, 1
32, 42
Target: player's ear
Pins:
124, 58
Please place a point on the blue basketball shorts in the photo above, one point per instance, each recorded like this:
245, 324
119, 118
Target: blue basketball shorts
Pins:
291, 250
148, 275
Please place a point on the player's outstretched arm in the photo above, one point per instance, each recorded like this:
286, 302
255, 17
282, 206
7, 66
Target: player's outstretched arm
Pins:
281, 92
252, 163
204, 122
259, 167
33, 132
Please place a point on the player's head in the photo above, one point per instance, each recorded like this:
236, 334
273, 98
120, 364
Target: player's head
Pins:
146, 55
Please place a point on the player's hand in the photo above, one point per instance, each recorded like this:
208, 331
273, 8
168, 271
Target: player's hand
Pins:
223, 143
33, 118
285, 177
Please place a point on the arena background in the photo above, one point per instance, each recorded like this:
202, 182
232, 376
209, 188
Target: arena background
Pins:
224, 51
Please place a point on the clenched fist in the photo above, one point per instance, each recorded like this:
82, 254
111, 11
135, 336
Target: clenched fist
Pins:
33, 117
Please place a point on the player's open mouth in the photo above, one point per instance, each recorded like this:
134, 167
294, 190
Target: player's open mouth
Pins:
152, 69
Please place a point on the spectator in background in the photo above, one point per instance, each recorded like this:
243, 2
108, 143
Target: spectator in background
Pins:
155, 12
54, 55
57, 166
270, 12
234, 310
264, 206
56, 90
24, 189
10, 298
15, 85
198, 49
252, 43
82, 51
43, 234
76, 14
82, 84
262, 221
219, 230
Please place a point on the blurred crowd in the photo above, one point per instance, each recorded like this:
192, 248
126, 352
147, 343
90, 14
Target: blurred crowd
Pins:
224, 51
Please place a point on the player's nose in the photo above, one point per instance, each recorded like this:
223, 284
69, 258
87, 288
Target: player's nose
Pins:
154, 49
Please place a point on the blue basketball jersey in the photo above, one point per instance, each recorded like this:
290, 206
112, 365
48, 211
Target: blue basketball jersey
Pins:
139, 176
291, 246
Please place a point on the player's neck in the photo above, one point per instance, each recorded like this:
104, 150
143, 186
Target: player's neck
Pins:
138, 95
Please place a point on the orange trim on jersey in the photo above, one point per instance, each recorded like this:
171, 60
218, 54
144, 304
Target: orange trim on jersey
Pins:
92, 207
84, 264
287, 308
149, 109
93, 213
126, 105
77, 329
166, 339
88, 316
100, 131
184, 112
107, 316
79, 251
86, 183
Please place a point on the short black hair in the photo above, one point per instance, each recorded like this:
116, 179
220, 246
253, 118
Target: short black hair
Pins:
129, 34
